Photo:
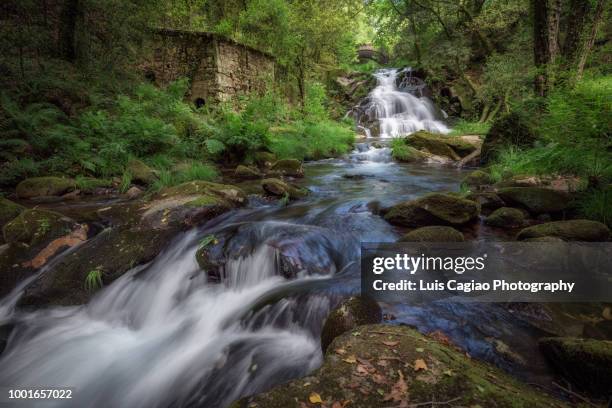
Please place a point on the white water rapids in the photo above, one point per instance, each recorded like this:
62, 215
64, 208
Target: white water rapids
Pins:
399, 113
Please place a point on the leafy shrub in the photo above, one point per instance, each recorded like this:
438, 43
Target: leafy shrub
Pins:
596, 204
464, 127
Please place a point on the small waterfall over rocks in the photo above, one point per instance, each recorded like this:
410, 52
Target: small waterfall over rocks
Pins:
397, 106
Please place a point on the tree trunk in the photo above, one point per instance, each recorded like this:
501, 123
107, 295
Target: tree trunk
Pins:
67, 31
546, 16
588, 46
575, 28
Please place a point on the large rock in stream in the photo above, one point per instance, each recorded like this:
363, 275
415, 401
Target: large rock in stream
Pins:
395, 366
434, 233
441, 145
433, 209
571, 230
44, 186
279, 188
537, 200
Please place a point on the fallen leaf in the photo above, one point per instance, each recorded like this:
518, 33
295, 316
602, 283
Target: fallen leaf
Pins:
607, 313
380, 391
390, 343
399, 391
440, 338
356, 333
420, 349
379, 379
448, 372
362, 369
382, 363
315, 398
419, 364
340, 351
350, 359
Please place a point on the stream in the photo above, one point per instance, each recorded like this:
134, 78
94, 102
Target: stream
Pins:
164, 334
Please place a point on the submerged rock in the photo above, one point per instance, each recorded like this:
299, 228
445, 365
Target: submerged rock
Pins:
506, 217
141, 173
35, 227
537, 200
434, 233
395, 366
288, 167
279, 188
433, 209
45, 186
587, 363
354, 311
572, 230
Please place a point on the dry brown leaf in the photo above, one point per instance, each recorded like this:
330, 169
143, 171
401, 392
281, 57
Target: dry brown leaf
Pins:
419, 364
390, 343
315, 398
399, 391
340, 351
362, 370
382, 363
441, 338
379, 379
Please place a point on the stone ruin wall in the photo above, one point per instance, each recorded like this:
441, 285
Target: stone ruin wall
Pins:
219, 69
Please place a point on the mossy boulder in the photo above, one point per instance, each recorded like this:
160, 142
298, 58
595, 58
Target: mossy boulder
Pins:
288, 167
508, 130
8, 212
90, 185
433, 209
487, 200
279, 188
44, 186
354, 311
198, 187
434, 233
141, 173
477, 178
408, 154
395, 366
246, 172
34, 227
112, 252
265, 159
544, 239
449, 146
537, 200
506, 217
571, 230
587, 363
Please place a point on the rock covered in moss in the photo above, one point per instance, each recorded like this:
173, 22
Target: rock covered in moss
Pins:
544, 239
537, 200
45, 186
441, 145
408, 154
354, 311
246, 172
288, 167
34, 227
8, 212
510, 129
587, 363
395, 366
506, 217
477, 178
141, 173
265, 159
433, 209
487, 200
279, 188
434, 233
571, 230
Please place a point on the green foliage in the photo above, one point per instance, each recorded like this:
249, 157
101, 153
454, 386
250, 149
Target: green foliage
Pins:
463, 127
596, 204
126, 182
93, 280
208, 240
193, 171
312, 141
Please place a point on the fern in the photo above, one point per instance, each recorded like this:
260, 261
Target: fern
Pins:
93, 280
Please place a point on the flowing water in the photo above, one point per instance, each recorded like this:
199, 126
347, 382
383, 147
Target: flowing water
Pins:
164, 335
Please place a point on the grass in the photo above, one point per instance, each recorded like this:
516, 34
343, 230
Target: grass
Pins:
463, 127
208, 240
93, 280
126, 182
596, 204
191, 172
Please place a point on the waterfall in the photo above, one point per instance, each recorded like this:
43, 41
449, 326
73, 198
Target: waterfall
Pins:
396, 112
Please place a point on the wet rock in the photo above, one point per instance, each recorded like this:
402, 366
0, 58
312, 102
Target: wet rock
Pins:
487, 200
8, 212
191, 203
35, 227
134, 192
587, 363
544, 239
44, 186
600, 331
141, 173
536, 199
279, 188
288, 167
508, 130
506, 217
477, 178
433, 209
441, 145
520, 181
265, 159
393, 366
408, 154
434, 233
246, 172
90, 185
572, 230
353, 312
113, 252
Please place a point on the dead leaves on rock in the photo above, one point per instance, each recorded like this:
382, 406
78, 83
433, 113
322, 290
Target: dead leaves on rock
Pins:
419, 364
399, 391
